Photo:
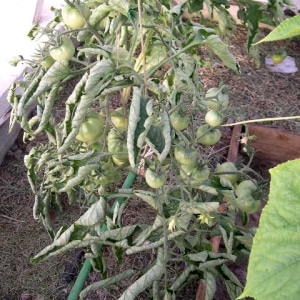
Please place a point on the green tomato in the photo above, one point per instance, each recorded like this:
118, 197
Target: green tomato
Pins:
65, 51
278, 58
208, 136
248, 204
216, 99
117, 143
108, 174
228, 167
185, 156
121, 56
178, 121
194, 175
119, 119
155, 179
119, 162
72, 17
47, 62
246, 187
213, 118
91, 128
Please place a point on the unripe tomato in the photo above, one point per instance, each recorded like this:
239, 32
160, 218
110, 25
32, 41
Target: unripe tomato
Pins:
119, 119
185, 156
91, 128
248, 204
228, 167
178, 121
246, 187
278, 58
65, 51
213, 118
47, 62
119, 162
155, 179
117, 143
72, 17
208, 136
194, 175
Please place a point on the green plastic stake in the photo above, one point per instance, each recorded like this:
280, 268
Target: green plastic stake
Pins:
87, 266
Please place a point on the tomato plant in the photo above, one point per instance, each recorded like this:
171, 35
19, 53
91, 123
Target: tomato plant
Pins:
91, 129
64, 51
75, 17
152, 75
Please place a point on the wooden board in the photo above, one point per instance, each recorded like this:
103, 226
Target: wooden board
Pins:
274, 144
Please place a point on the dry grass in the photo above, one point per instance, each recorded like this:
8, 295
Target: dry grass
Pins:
256, 93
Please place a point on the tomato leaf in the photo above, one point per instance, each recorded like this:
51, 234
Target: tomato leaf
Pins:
106, 283
121, 6
136, 121
215, 43
159, 137
275, 257
101, 70
58, 71
153, 274
286, 29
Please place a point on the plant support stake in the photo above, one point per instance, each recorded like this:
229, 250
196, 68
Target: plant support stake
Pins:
87, 266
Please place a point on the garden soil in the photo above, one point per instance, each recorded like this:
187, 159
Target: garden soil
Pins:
256, 93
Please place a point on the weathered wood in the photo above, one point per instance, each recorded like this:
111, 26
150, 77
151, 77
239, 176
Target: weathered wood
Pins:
234, 143
274, 144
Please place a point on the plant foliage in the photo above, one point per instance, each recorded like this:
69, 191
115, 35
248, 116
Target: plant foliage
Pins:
146, 54
274, 257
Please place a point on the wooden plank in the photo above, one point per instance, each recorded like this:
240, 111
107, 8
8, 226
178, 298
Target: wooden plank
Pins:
274, 144
234, 143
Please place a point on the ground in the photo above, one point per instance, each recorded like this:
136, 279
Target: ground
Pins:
256, 93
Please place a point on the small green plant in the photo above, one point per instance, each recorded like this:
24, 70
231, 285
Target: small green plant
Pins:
146, 54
